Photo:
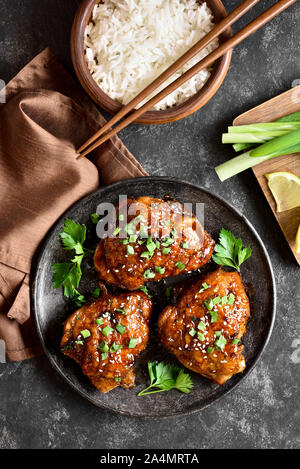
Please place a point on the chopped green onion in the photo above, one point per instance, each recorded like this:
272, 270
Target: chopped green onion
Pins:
117, 231
132, 343
204, 287
167, 241
145, 290
143, 231
103, 346
216, 300
104, 356
210, 349
208, 304
200, 336
99, 321
235, 341
129, 228
117, 379
166, 250
218, 333
159, 270
107, 331
184, 245
230, 299
120, 328
121, 217
149, 274
224, 300
137, 219
132, 238
192, 332
180, 265
115, 347
121, 311
201, 326
85, 333
213, 316
151, 246
94, 218
79, 342
220, 342
129, 250
146, 254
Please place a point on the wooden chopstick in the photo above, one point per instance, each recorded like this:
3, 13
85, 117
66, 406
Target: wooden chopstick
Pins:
252, 27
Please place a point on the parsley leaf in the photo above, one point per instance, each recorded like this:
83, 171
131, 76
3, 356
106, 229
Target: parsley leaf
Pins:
78, 298
184, 382
164, 377
145, 290
68, 274
73, 236
230, 251
60, 273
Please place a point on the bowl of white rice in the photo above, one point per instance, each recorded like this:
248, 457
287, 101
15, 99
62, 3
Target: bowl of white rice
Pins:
120, 46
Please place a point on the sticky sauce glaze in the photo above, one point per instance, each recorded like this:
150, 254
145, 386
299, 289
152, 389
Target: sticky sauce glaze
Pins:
176, 324
117, 368
115, 266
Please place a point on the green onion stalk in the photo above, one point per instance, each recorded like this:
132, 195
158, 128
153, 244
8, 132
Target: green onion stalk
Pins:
285, 124
282, 145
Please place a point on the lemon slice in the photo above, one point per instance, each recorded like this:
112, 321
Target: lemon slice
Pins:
297, 245
285, 188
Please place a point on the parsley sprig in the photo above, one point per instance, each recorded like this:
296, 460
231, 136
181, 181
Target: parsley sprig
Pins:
69, 273
230, 251
164, 377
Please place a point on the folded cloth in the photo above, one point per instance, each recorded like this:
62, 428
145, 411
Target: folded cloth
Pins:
45, 118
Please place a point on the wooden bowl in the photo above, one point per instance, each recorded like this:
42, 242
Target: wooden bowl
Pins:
192, 104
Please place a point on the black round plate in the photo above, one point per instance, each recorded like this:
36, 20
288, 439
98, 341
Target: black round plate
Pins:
51, 308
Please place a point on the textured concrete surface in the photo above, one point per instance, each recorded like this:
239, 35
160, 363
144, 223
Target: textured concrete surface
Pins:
37, 409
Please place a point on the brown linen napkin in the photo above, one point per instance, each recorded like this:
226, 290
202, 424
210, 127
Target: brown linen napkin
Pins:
46, 116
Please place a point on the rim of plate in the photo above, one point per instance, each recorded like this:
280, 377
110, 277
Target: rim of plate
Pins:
37, 268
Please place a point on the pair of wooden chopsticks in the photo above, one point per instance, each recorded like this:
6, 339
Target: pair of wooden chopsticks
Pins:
252, 27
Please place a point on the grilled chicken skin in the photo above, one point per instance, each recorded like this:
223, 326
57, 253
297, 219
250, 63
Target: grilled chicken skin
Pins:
204, 328
106, 336
159, 239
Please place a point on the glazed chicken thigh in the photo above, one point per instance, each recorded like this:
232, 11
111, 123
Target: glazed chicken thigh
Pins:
105, 337
204, 328
154, 239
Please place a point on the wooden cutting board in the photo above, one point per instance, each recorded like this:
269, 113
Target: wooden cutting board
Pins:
275, 108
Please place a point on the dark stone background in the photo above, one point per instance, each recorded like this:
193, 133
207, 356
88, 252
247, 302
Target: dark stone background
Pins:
37, 409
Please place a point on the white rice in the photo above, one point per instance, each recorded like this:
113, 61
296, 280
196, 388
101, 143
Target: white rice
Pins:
131, 42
